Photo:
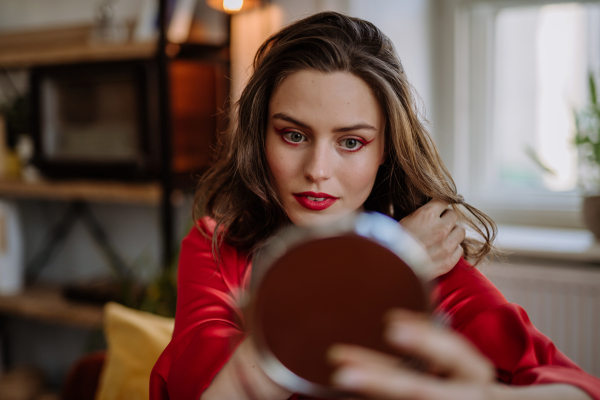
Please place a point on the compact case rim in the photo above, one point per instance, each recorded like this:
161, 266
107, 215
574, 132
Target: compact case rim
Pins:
379, 228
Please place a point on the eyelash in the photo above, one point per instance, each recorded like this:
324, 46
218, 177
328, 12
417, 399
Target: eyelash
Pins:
284, 132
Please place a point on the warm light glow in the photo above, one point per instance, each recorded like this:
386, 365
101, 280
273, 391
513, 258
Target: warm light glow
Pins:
233, 5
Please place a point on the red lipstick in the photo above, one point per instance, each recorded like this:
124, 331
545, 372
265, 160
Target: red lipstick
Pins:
315, 201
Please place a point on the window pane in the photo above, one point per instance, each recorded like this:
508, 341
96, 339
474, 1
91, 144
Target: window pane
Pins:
539, 77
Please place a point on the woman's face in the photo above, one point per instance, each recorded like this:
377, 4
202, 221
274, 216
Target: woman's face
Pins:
324, 144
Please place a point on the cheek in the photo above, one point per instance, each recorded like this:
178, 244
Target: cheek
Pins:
279, 164
359, 177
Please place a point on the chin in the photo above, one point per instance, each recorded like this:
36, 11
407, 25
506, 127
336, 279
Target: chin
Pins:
311, 219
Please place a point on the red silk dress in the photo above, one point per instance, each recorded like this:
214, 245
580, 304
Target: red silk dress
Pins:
209, 325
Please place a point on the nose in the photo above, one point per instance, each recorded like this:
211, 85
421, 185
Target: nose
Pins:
319, 163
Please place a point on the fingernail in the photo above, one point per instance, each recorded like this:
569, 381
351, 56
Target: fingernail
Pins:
335, 353
349, 378
401, 314
394, 314
402, 333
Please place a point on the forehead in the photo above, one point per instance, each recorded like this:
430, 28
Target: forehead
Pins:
326, 99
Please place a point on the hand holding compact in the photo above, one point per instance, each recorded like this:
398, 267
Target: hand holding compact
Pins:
456, 369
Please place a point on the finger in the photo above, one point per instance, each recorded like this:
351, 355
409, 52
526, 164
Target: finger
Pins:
456, 236
399, 315
405, 385
448, 351
438, 206
385, 383
451, 354
342, 354
449, 217
456, 256
451, 256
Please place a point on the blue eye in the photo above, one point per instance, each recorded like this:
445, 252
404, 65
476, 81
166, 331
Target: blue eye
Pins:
293, 137
351, 144
296, 137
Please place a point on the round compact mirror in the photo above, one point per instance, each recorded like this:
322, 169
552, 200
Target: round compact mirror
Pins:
312, 288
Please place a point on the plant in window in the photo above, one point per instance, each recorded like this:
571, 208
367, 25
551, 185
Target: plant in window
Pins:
587, 140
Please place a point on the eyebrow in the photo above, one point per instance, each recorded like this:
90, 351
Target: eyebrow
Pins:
354, 127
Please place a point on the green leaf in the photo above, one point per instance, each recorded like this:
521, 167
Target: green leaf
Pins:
533, 155
593, 93
596, 147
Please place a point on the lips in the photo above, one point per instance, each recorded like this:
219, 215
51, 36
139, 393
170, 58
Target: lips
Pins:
315, 201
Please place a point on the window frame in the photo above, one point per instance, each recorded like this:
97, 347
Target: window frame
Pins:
457, 117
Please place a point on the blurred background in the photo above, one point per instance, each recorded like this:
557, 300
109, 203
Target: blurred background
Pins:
109, 110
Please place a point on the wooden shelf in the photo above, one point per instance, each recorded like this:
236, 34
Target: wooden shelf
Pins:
46, 303
64, 46
100, 192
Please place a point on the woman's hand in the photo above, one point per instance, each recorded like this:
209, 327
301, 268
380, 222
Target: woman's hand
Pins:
434, 225
457, 369
242, 379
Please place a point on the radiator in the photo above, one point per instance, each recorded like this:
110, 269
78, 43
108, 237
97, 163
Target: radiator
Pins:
562, 302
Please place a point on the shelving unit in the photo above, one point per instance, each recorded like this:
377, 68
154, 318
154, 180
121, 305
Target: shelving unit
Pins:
72, 45
69, 46
45, 302
179, 98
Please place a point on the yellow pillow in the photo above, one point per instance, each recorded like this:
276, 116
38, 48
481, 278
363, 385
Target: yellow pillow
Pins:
135, 341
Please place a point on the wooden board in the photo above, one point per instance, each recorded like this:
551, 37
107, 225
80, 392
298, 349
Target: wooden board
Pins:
64, 46
46, 303
102, 192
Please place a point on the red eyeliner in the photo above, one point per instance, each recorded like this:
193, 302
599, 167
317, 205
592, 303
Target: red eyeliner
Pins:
282, 132
362, 142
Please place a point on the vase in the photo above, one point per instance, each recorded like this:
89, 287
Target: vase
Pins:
11, 249
591, 214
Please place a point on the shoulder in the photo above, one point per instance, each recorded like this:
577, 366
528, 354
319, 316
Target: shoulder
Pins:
198, 261
204, 228
464, 292
200, 238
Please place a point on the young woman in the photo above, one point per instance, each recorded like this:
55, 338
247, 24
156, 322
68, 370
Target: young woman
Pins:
327, 126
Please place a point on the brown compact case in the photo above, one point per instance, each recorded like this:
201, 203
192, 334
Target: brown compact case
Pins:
312, 288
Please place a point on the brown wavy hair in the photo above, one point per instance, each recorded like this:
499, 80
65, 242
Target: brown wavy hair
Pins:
237, 190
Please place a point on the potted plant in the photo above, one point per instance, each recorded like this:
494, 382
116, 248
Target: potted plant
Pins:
587, 140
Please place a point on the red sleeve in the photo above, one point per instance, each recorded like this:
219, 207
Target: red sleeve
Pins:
208, 321
502, 331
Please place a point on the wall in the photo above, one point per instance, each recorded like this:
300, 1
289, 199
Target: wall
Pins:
408, 23
562, 300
